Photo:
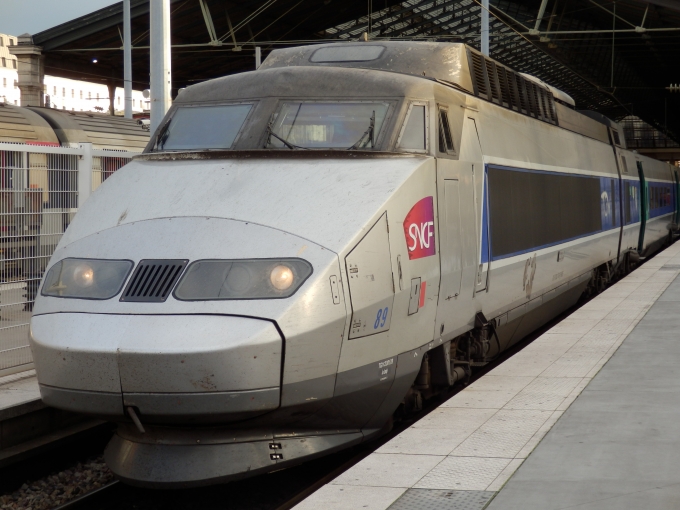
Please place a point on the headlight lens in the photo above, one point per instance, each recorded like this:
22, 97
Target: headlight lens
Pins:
86, 278
281, 277
242, 279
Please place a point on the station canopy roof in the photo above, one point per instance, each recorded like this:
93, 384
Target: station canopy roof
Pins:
615, 57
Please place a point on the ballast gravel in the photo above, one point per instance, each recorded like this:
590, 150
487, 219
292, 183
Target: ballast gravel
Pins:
58, 488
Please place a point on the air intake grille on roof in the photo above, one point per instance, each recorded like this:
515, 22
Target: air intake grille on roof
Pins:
498, 84
478, 75
153, 280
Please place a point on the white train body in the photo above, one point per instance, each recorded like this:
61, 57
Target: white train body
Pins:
403, 253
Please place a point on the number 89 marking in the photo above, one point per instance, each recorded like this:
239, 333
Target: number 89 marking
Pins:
381, 318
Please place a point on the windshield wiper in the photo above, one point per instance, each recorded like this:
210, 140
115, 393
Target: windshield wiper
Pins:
368, 133
163, 136
270, 133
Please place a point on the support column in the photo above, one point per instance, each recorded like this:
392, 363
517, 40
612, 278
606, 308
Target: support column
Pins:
111, 85
161, 82
258, 57
127, 59
31, 71
539, 18
485, 28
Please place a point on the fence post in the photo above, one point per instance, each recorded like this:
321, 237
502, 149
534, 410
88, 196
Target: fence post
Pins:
84, 173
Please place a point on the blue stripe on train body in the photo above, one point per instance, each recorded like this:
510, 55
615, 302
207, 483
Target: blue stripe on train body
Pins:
620, 201
610, 201
661, 198
632, 200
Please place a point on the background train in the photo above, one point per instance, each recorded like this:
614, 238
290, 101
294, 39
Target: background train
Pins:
39, 189
339, 234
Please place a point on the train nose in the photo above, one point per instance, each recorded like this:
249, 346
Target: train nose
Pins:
166, 366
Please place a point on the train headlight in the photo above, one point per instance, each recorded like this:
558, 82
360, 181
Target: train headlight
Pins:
83, 275
86, 278
207, 280
281, 277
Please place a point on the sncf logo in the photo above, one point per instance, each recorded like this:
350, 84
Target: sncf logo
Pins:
419, 229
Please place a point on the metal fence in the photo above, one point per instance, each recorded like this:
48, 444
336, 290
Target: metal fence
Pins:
41, 188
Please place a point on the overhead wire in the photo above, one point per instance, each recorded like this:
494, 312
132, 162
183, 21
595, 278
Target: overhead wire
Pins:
248, 18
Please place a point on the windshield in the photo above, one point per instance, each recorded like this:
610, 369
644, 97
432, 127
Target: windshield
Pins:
327, 125
203, 127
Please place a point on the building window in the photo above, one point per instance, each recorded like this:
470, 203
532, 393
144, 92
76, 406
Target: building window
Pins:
4, 62
44, 89
81, 94
118, 99
97, 96
4, 82
14, 64
63, 92
16, 85
2, 41
73, 93
55, 91
89, 95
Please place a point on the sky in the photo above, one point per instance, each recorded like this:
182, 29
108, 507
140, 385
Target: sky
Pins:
32, 16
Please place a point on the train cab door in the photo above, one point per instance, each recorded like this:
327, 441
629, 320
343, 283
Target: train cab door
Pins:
457, 226
644, 201
448, 184
451, 250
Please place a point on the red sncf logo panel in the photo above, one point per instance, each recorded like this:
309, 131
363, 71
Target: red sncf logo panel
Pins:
419, 229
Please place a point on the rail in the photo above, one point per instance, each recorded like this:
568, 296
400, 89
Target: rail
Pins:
41, 188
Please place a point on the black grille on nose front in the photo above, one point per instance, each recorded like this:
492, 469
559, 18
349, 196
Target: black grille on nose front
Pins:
153, 280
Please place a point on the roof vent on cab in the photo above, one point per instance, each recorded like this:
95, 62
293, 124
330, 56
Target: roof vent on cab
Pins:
434, 60
342, 53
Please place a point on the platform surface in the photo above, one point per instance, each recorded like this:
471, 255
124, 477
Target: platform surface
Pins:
618, 445
19, 393
610, 445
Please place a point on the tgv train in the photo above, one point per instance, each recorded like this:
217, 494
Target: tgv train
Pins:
304, 249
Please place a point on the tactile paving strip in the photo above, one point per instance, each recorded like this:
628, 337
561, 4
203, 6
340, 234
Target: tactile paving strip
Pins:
434, 499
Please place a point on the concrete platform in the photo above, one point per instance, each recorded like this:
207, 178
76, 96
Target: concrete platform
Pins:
550, 428
28, 427
15, 353
19, 393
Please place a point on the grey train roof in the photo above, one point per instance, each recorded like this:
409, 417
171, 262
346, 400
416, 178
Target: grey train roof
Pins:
20, 125
103, 131
299, 81
336, 70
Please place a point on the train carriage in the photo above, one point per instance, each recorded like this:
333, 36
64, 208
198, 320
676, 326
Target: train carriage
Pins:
39, 191
344, 232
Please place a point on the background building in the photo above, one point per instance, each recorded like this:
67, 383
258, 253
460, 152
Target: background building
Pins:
83, 96
63, 93
9, 91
